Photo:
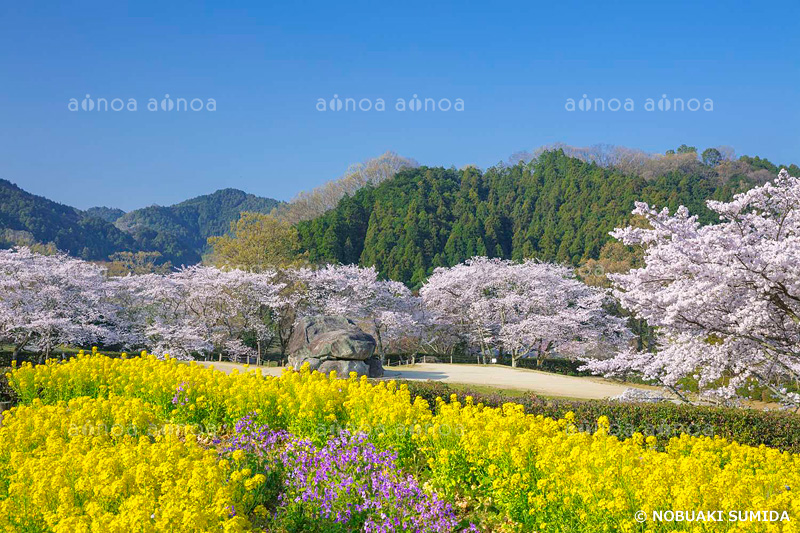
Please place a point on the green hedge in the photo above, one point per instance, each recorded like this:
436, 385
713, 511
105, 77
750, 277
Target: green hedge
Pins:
776, 429
554, 366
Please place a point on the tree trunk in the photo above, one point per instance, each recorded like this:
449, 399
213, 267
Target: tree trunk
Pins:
19, 346
45, 354
283, 340
381, 351
542, 353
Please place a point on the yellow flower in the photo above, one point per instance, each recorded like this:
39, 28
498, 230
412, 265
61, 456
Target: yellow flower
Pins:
63, 449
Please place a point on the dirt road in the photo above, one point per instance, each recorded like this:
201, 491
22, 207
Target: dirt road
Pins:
489, 375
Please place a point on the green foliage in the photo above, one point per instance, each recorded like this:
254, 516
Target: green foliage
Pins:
555, 209
109, 214
180, 232
124, 263
256, 241
776, 429
711, 157
758, 163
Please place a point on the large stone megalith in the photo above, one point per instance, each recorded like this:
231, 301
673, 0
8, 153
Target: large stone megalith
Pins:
329, 343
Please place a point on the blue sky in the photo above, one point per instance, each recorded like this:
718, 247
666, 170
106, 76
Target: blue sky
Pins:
514, 65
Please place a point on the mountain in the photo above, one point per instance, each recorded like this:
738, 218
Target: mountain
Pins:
109, 214
555, 207
38, 219
180, 231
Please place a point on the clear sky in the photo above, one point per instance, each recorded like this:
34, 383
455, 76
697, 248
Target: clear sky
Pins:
265, 64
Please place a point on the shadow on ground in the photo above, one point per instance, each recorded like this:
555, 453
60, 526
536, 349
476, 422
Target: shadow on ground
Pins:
416, 374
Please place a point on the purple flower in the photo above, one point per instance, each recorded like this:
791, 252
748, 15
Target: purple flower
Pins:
181, 397
347, 481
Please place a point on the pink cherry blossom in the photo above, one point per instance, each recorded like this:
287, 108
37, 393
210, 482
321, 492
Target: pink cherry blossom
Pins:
725, 297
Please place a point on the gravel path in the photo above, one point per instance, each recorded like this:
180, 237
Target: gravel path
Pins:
501, 377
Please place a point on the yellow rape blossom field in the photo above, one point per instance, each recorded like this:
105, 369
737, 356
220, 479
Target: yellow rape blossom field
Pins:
102, 444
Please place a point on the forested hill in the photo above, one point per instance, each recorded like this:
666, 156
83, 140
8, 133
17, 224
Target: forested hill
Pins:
556, 208
180, 231
28, 218
109, 214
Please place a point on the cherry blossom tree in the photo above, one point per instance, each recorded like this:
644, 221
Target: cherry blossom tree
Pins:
524, 309
202, 310
725, 297
399, 322
438, 336
288, 303
455, 294
51, 300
